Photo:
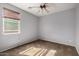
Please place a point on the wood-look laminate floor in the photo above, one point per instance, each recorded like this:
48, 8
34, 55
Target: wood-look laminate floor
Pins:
41, 48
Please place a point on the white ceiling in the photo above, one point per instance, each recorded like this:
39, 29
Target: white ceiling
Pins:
54, 7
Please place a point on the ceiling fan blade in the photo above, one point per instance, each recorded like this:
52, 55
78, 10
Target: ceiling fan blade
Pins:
50, 4
39, 11
33, 7
42, 11
46, 10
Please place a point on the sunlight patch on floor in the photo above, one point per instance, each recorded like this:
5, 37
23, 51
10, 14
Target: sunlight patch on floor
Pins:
51, 53
22, 52
30, 51
33, 51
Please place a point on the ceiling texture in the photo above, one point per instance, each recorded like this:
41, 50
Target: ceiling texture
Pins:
38, 10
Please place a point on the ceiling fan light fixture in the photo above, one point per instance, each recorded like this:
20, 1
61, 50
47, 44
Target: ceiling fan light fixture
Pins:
43, 8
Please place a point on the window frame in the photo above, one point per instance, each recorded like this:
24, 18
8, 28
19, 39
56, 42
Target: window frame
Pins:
3, 21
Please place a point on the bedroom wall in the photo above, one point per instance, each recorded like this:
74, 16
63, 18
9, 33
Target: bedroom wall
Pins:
59, 27
77, 28
28, 29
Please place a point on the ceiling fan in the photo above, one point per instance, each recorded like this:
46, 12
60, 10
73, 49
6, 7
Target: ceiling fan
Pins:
42, 7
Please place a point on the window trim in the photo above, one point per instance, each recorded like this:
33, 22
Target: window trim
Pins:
12, 30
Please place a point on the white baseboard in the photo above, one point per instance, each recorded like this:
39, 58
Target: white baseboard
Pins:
56, 41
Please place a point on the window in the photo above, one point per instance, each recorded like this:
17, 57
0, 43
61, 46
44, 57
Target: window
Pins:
11, 21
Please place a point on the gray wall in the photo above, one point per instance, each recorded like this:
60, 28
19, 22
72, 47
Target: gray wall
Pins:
28, 30
77, 28
59, 27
